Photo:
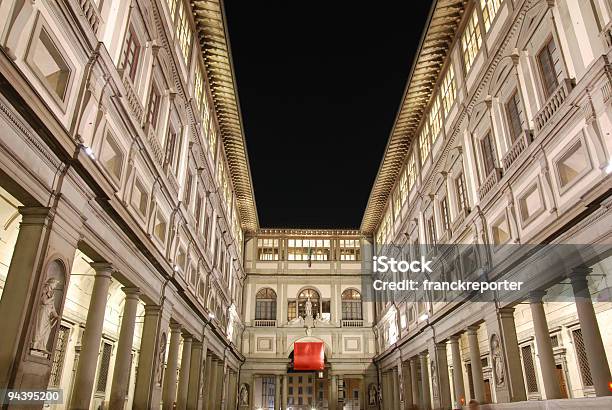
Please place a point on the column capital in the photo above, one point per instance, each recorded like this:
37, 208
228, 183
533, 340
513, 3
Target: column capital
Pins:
473, 329
175, 327
196, 344
102, 268
131, 292
536, 296
454, 339
187, 337
34, 214
507, 312
440, 345
579, 273
423, 355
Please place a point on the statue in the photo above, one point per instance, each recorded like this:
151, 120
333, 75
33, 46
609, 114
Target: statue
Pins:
498, 360
434, 379
47, 316
372, 395
308, 307
161, 354
244, 395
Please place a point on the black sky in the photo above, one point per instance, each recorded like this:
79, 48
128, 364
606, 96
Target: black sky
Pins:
319, 86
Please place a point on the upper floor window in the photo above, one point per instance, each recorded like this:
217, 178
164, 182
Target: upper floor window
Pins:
198, 211
174, 143
183, 30
489, 11
188, 188
198, 86
350, 249
265, 304
315, 302
461, 194
488, 154
403, 185
444, 214
431, 232
514, 114
549, 64
267, 249
397, 203
411, 171
424, 142
435, 120
131, 54
449, 89
308, 249
172, 7
154, 103
471, 41
351, 305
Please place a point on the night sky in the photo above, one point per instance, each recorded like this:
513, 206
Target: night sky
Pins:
319, 87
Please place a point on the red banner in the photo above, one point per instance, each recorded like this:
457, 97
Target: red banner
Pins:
308, 356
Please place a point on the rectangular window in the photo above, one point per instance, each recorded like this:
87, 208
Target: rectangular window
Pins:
424, 143
188, 188
57, 364
514, 113
573, 164
112, 157
140, 198
131, 54
449, 89
444, 214
528, 365
530, 203
268, 249
471, 41
160, 227
435, 119
411, 170
350, 249
104, 364
431, 232
488, 154
172, 8
461, 194
500, 231
183, 30
583, 363
308, 249
403, 185
198, 211
291, 310
548, 60
198, 86
489, 11
397, 204
154, 103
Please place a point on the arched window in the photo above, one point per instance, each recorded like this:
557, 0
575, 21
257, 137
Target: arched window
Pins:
265, 304
351, 305
314, 299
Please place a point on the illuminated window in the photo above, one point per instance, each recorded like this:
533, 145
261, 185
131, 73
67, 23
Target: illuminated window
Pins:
265, 304
315, 300
198, 86
267, 249
172, 7
183, 31
489, 11
471, 41
424, 143
411, 171
403, 185
435, 120
308, 249
351, 305
350, 249
397, 204
448, 89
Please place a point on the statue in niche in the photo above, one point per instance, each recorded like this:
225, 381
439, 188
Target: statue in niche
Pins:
244, 395
47, 316
434, 379
498, 360
308, 308
161, 354
372, 395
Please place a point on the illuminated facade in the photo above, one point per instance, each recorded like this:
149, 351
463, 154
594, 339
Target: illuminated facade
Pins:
134, 272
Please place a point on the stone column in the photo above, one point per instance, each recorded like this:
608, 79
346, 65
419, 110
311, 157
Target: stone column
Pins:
333, 392
593, 344
183, 386
516, 382
220, 383
277, 392
148, 392
396, 388
407, 377
285, 392
19, 295
475, 363
546, 356
414, 382
212, 383
198, 352
88, 359
443, 380
123, 356
169, 392
207, 382
425, 393
458, 383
